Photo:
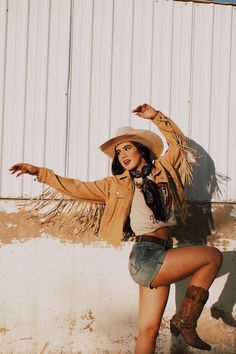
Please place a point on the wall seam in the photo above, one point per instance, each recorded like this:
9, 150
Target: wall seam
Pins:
90, 93
229, 101
46, 84
25, 90
152, 45
210, 110
171, 55
191, 72
68, 90
111, 80
4, 92
131, 64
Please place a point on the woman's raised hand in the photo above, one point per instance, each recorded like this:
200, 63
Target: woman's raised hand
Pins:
22, 168
145, 111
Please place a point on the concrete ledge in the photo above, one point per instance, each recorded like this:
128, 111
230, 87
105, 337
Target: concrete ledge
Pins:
60, 296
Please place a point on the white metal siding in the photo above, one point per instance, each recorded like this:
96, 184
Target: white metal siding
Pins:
71, 71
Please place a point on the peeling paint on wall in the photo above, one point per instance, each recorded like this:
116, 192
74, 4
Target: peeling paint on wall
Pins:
213, 223
17, 226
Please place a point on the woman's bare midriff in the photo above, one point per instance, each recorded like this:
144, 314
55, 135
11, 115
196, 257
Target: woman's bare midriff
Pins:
160, 233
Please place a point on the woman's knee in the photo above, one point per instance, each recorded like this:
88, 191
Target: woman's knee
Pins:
149, 330
217, 257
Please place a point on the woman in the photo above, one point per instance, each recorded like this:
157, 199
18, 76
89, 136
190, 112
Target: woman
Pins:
148, 188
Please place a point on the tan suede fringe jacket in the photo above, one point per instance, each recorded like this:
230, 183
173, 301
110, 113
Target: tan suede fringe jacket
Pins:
102, 207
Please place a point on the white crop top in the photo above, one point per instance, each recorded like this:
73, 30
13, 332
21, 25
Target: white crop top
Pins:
142, 220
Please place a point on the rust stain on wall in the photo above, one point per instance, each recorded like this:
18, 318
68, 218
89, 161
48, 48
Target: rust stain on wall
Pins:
224, 221
44, 348
72, 325
125, 340
89, 317
17, 227
206, 222
14, 227
4, 330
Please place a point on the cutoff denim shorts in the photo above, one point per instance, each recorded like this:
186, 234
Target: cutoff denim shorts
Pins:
145, 261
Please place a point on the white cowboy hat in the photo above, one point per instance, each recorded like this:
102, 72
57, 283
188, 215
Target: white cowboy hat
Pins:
143, 136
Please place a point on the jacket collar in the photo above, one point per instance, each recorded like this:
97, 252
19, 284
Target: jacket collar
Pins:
124, 175
156, 169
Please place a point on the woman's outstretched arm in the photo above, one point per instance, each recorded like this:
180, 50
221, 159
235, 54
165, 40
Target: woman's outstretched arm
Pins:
96, 191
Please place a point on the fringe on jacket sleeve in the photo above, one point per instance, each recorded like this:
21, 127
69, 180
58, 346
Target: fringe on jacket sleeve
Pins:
64, 214
181, 156
188, 158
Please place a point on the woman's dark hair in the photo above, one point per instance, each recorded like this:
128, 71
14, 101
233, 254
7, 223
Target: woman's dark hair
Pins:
144, 151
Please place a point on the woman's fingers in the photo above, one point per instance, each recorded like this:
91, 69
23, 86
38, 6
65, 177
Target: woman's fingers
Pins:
15, 168
137, 109
140, 108
22, 168
139, 114
145, 111
20, 173
18, 168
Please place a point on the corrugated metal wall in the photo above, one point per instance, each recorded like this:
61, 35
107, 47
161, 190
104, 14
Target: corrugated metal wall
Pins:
71, 71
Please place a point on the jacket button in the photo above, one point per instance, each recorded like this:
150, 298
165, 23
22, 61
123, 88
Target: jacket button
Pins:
117, 193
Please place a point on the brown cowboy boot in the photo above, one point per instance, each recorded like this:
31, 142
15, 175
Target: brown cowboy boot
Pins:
185, 321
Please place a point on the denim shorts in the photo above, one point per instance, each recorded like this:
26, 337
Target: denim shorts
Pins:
145, 260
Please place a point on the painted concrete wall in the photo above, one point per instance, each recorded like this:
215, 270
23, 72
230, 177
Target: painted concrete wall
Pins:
70, 72
61, 294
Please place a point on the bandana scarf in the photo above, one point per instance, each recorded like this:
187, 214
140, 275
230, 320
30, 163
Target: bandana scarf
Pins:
153, 195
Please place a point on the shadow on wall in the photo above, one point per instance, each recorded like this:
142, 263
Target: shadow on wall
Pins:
200, 229
207, 185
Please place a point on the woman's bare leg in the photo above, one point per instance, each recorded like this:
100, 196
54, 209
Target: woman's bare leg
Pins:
202, 262
152, 303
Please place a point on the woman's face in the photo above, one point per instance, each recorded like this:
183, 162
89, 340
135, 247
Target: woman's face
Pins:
129, 156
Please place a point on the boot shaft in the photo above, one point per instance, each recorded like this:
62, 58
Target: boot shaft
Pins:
185, 321
193, 303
